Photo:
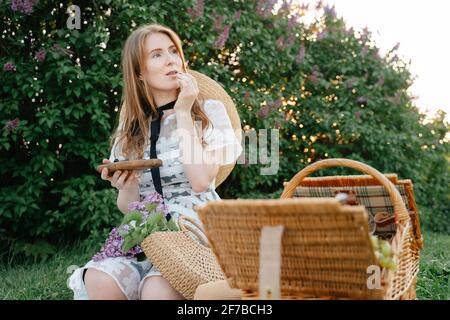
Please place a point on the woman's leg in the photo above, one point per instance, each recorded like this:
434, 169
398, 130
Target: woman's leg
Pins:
158, 288
101, 286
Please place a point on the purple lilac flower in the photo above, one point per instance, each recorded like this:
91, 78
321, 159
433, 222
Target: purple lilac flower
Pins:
380, 81
40, 55
264, 7
350, 31
9, 66
220, 42
395, 99
286, 6
364, 51
23, 6
237, 15
304, 7
292, 21
246, 96
263, 112
135, 205
218, 23
330, 11
322, 35
361, 100
155, 197
58, 49
300, 55
365, 35
395, 58
314, 77
395, 48
350, 82
197, 11
275, 104
290, 40
115, 240
113, 248
11, 125
376, 53
319, 5
280, 42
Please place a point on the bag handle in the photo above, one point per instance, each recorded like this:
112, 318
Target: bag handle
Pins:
187, 227
400, 211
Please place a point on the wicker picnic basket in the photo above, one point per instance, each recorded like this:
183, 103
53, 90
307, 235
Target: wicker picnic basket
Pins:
184, 261
385, 194
326, 248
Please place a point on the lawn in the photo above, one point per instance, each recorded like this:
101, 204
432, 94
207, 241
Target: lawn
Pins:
48, 280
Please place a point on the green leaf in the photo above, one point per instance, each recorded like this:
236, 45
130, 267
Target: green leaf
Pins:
127, 244
77, 91
134, 215
136, 234
172, 226
154, 219
151, 206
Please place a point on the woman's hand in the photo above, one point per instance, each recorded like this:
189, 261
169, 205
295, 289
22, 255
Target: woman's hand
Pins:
188, 92
126, 180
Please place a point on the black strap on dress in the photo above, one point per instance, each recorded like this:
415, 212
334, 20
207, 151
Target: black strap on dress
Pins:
155, 129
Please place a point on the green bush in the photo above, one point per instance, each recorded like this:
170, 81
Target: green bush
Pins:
325, 88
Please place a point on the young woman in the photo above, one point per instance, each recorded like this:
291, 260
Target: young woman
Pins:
155, 78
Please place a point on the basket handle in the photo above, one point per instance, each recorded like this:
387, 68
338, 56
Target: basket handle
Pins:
186, 227
400, 211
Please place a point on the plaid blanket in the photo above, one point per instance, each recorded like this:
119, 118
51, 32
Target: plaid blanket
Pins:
374, 198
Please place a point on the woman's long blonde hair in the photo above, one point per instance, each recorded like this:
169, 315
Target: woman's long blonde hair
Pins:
132, 130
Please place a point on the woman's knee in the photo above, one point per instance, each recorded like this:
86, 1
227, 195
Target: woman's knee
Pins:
158, 288
101, 286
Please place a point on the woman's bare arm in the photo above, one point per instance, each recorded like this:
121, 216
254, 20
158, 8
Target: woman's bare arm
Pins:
200, 173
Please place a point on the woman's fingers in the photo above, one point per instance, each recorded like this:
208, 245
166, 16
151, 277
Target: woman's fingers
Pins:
121, 179
104, 174
115, 177
130, 180
118, 179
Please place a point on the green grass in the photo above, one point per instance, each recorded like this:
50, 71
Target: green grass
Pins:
44, 280
433, 281
47, 280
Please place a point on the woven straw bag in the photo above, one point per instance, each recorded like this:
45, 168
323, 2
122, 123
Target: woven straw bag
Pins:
326, 249
183, 261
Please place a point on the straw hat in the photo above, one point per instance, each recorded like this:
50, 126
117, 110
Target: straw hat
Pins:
210, 89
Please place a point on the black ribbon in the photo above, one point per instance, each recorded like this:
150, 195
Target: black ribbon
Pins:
155, 129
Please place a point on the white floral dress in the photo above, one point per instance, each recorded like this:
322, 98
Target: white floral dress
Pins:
130, 274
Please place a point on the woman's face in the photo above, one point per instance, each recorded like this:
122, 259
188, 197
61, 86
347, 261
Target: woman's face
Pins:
161, 57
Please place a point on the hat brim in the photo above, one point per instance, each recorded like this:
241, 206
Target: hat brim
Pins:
210, 89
